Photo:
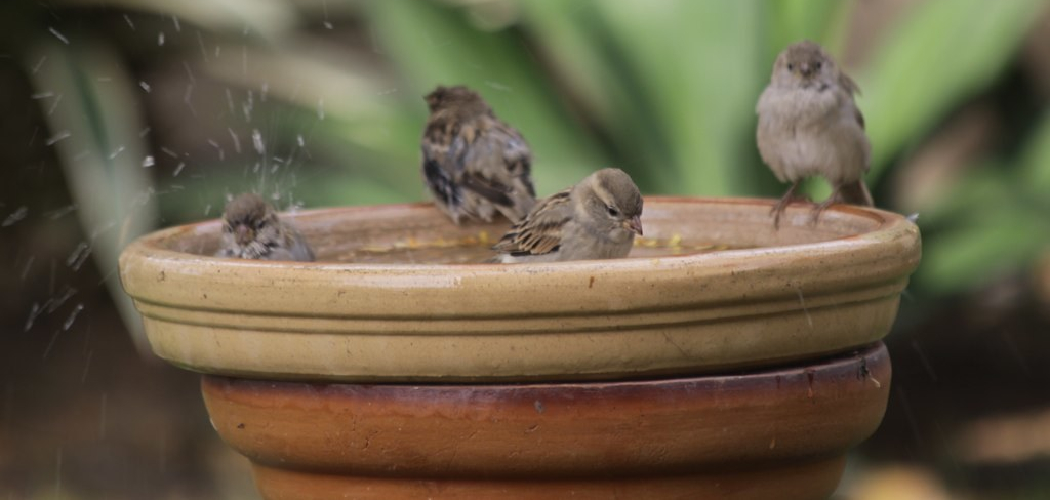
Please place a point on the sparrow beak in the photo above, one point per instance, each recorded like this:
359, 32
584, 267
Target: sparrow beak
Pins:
635, 224
805, 69
243, 234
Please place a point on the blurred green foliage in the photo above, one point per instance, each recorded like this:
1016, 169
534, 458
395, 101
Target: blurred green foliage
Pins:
665, 89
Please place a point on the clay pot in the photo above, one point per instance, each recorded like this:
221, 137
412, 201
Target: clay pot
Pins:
773, 434
709, 306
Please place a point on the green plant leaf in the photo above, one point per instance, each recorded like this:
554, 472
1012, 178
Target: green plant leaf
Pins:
993, 241
941, 52
1035, 160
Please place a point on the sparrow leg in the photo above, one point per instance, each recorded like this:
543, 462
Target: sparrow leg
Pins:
832, 200
845, 194
788, 198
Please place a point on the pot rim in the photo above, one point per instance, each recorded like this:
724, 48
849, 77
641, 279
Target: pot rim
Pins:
582, 320
889, 252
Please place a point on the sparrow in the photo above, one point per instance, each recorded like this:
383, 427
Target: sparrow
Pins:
252, 230
474, 164
808, 124
595, 219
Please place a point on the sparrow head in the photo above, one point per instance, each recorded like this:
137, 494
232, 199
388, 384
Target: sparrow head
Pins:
457, 97
612, 203
248, 218
804, 64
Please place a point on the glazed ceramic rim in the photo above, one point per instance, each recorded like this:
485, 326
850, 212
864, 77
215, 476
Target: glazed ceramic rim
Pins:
515, 322
889, 253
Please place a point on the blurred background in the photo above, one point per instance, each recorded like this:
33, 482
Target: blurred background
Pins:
121, 116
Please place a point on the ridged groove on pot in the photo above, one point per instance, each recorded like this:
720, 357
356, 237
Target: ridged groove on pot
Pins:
811, 290
671, 428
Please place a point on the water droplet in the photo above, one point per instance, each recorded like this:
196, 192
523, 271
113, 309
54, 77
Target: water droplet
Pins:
57, 137
236, 140
72, 317
257, 142
148, 161
145, 86
33, 313
62, 38
19, 214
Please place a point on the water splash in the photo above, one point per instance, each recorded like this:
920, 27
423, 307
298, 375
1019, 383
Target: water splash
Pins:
62, 38
54, 104
62, 212
236, 140
77, 252
64, 134
257, 142
72, 317
19, 214
34, 313
36, 67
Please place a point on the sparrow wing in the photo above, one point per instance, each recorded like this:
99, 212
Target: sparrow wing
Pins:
541, 230
439, 172
497, 167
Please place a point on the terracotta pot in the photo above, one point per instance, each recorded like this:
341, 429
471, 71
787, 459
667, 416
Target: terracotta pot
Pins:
709, 303
777, 434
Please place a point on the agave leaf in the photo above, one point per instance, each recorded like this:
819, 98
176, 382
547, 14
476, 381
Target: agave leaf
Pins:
270, 19
1035, 160
941, 52
999, 239
698, 76
790, 21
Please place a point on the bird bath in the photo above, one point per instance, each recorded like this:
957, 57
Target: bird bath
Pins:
723, 359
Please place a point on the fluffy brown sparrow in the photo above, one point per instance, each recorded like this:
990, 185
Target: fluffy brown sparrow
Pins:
809, 125
595, 219
252, 230
474, 164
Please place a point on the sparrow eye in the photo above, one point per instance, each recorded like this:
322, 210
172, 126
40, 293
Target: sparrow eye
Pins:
816, 66
791, 67
613, 211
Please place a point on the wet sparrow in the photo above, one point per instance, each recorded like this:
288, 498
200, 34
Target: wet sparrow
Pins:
809, 125
595, 219
474, 164
252, 230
